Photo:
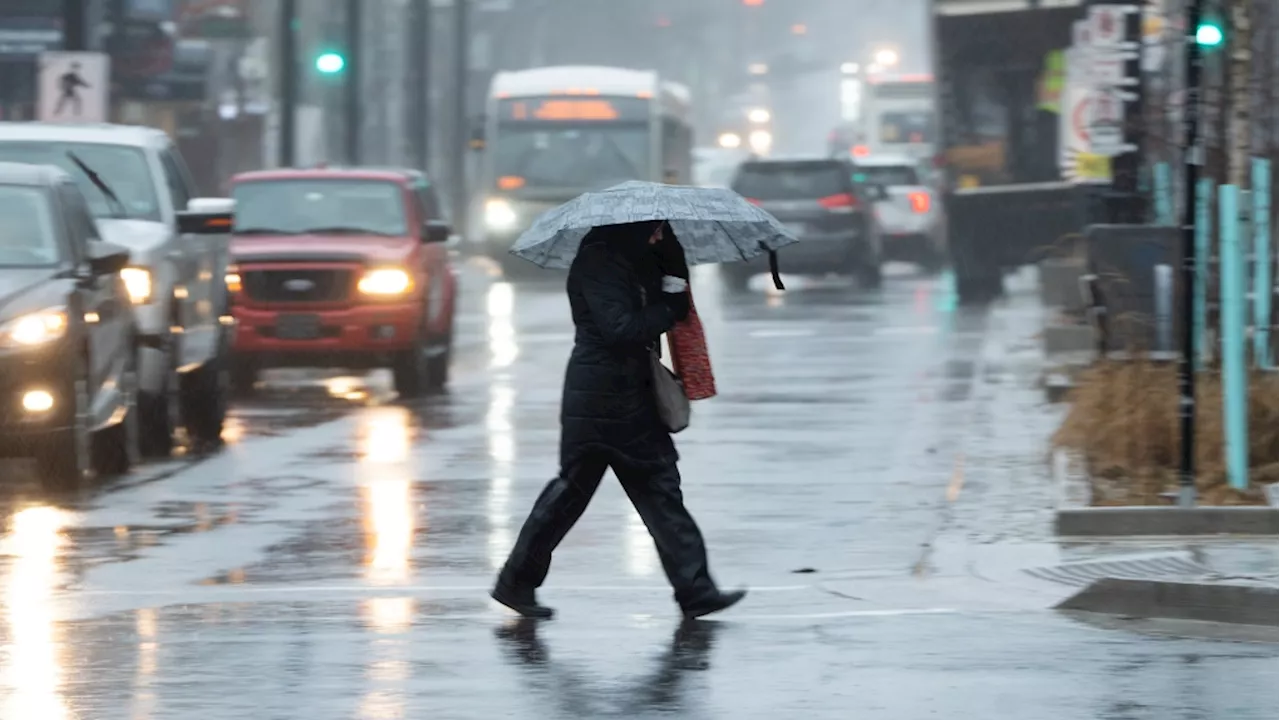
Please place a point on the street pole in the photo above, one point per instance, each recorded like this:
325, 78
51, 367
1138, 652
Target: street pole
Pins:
351, 89
288, 62
420, 76
73, 25
460, 135
1191, 172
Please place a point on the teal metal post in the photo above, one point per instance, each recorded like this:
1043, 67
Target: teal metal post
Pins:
1232, 286
1163, 194
1200, 313
1262, 290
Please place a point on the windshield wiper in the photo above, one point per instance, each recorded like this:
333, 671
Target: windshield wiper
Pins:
117, 206
345, 229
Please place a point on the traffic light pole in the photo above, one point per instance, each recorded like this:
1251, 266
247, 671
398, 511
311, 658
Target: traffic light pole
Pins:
1192, 157
351, 86
73, 24
420, 76
288, 69
460, 135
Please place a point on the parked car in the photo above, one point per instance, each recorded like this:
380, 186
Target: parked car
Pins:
68, 362
140, 192
342, 267
909, 215
818, 201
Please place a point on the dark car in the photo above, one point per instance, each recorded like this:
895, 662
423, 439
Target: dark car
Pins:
342, 267
820, 203
68, 357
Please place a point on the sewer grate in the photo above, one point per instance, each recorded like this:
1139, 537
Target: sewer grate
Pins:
1168, 566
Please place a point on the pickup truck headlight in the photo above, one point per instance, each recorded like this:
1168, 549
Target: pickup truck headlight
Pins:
499, 215
138, 282
34, 329
385, 281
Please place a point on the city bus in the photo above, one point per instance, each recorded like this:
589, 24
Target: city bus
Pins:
899, 117
553, 133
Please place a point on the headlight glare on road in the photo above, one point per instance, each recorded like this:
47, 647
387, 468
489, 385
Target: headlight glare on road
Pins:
38, 328
499, 215
760, 141
385, 281
138, 282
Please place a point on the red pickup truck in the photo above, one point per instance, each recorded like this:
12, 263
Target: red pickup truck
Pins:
341, 267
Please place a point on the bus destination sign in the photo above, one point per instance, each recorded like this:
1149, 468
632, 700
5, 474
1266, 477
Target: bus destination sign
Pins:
573, 109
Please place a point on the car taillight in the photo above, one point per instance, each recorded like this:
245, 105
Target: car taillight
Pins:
860, 150
844, 202
753, 201
919, 201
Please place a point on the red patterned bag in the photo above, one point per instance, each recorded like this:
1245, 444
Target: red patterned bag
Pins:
689, 356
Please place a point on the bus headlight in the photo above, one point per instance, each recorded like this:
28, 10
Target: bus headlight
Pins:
730, 140
385, 281
759, 116
137, 281
499, 215
760, 140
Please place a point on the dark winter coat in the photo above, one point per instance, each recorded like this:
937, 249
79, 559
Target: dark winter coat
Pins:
608, 403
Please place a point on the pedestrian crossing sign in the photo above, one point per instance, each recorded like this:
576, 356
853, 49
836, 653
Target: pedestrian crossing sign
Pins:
73, 87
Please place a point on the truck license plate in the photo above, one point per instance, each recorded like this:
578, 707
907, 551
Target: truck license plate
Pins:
298, 327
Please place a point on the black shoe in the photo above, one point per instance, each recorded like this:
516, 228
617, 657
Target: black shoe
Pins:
521, 600
713, 604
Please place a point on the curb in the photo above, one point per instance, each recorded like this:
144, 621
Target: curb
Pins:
1075, 516
1224, 603
1111, 521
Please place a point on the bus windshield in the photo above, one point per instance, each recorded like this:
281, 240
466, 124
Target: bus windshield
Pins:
571, 155
906, 126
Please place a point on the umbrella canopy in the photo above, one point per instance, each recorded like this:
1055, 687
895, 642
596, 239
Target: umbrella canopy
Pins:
714, 225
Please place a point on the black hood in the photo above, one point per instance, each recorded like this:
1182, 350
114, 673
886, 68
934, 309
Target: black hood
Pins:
27, 289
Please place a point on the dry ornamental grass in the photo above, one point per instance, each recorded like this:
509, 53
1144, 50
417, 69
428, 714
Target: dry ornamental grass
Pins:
1124, 421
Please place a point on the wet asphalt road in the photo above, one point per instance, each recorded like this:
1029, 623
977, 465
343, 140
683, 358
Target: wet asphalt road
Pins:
874, 469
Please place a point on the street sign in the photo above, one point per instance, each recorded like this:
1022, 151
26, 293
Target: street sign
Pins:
1106, 25
73, 87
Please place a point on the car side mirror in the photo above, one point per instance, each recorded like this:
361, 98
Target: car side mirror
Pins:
436, 231
207, 216
107, 258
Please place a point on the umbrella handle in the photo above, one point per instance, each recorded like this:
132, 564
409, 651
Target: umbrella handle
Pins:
773, 270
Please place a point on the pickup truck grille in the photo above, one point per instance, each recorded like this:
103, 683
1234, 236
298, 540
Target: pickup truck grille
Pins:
298, 286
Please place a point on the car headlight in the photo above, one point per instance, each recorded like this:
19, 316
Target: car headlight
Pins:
33, 329
137, 281
386, 281
499, 215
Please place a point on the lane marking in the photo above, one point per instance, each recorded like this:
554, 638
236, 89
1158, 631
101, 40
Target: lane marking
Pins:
391, 590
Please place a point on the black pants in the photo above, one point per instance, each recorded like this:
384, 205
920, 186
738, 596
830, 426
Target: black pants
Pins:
656, 497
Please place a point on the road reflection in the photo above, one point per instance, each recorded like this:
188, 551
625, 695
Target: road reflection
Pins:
33, 663
144, 696
385, 476
502, 455
500, 305
387, 671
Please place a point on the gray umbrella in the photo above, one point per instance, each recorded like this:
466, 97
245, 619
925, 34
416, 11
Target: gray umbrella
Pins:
714, 225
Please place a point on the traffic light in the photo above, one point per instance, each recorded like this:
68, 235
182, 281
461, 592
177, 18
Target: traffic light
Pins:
330, 63
1209, 34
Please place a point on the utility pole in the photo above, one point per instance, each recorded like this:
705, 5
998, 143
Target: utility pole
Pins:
1192, 157
419, 120
460, 134
351, 89
73, 25
288, 70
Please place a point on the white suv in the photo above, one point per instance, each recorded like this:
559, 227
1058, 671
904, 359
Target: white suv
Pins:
141, 195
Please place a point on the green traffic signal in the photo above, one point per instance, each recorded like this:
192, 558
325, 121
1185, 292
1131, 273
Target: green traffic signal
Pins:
1209, 34
330, 63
